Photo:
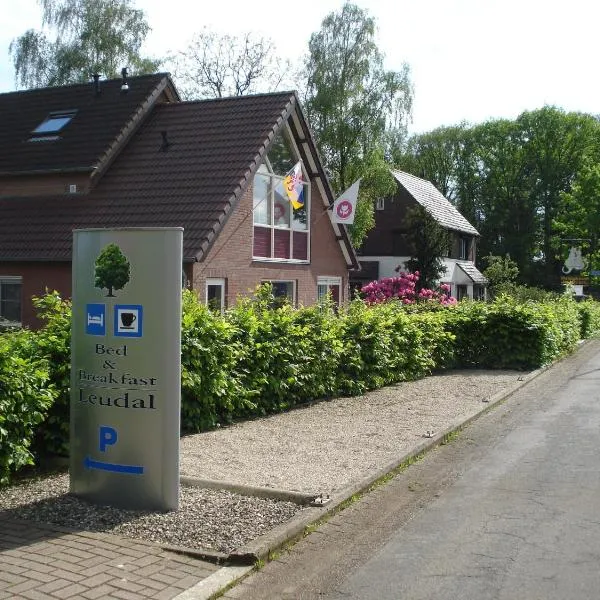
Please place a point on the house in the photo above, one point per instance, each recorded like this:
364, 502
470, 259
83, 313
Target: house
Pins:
128, 153
386, 247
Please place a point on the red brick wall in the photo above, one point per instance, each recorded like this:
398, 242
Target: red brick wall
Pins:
231, 257
36, 278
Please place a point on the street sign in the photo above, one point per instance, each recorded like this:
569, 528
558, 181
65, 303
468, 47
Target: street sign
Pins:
126, 367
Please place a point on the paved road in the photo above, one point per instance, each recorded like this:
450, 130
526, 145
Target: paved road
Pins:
509, 510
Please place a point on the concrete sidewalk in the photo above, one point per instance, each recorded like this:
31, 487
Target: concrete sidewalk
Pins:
44, 561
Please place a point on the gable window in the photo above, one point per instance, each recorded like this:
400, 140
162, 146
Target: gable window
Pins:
215, 294
10, 299
380, 205
329, 285
281, 232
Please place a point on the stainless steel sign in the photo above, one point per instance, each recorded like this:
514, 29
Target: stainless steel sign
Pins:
126, 366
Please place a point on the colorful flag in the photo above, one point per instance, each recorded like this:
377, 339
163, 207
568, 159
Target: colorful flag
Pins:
293, 186
345, 206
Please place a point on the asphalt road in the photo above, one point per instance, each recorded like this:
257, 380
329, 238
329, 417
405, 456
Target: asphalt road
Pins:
510, 509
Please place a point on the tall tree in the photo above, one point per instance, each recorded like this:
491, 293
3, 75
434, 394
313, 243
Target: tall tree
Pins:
558, 145
355, 107
508, 220
88, 36
429, 243
213, 66
579, 214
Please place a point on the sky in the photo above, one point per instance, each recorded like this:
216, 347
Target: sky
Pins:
470, 60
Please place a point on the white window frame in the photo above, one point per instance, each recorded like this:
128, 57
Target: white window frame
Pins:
14, 279
217, 282
463, 251
328, 281
380, 204
271, 226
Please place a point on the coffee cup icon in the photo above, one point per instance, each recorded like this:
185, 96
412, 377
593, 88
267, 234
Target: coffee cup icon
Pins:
127, 320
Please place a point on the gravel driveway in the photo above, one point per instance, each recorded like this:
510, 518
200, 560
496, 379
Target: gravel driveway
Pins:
323, 447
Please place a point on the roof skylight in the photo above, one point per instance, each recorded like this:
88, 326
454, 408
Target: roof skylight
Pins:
54, 122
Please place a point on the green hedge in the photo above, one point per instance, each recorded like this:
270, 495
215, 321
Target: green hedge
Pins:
255, 360
506, 334
25, 397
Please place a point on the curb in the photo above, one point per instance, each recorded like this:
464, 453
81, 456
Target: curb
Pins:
301, 498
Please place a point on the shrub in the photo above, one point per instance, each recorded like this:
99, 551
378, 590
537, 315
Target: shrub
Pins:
507, 334
589, 315
53, 343
403, 288
209, 352
25, 396
384, 344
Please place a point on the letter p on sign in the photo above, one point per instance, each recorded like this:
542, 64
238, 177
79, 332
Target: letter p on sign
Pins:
108, 437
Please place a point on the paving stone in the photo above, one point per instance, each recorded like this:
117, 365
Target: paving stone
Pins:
23, 586
102, 591
70, 591
55, 585
125, 595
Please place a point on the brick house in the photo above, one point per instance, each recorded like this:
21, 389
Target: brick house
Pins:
386, 247
129, 153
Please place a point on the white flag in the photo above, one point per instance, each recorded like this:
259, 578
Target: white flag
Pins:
345, 206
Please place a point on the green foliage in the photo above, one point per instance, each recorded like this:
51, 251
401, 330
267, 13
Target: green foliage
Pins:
25, 395
53, 343
525, 293
523, 183
386, 344
209, 353
500, 269
355, 107
500, 273
112, 269
508, 334
90, 36
589, 315
429, 243
255, 360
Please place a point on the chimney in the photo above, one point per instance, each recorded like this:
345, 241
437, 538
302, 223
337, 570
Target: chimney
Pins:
96, 77
124, 85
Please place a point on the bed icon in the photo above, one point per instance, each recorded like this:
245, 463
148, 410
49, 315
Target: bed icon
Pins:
95, 319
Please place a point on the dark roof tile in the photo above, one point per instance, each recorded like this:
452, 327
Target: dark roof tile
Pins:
212, 151
98, 121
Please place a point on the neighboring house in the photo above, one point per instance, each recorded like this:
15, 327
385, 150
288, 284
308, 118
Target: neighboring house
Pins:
130, 154
386, 245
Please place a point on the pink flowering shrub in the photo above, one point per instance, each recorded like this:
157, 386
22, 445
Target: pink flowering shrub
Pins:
403, 288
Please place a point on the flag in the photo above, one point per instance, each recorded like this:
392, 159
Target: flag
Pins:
293, 186
345, 206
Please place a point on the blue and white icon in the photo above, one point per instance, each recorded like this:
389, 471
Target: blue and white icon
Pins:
95, 319
128, 320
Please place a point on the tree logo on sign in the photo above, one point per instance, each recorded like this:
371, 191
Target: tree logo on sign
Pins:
112, 269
